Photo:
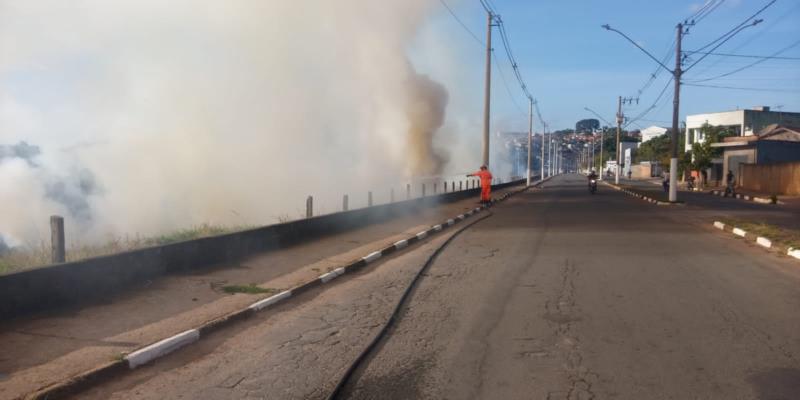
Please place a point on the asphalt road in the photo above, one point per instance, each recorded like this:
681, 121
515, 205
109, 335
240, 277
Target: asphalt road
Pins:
557, 295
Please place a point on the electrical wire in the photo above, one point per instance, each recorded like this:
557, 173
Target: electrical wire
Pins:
751, 56
463, 25
748, 65
697, 19
505, 83
730, 34
745, 88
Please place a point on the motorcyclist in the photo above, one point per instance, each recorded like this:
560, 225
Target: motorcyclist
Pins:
729, 179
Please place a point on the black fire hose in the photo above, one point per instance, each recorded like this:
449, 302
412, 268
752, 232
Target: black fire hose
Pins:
393, 318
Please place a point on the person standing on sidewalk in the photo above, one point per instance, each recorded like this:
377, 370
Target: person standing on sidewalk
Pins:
486, 183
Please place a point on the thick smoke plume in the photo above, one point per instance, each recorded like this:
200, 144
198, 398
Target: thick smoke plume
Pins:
427, 101
144, 116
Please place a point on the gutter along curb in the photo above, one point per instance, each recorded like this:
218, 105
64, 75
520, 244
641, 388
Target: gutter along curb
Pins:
175, 342
759, 240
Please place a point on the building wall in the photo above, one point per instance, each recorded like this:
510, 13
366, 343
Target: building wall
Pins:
772, 151
744, 122
755, 121
730, 119
779, 178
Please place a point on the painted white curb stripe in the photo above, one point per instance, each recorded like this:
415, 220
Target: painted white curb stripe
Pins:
422, 235
450, 222
737, 231
261, 304
437, 228
331, 275
166, 346
794, 253
372, 256
461, 216
719, 225
764, 242
401, 244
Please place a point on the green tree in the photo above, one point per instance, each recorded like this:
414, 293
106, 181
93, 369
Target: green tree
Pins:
702, 153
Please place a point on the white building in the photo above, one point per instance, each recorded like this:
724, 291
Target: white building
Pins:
742, 122
652, 132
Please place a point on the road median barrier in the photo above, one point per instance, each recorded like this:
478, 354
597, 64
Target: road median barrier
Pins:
163, 347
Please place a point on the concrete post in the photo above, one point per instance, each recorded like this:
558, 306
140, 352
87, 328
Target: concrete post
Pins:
434, 188
369, 199
345, 205
460, 185
423, 190
391, 195
408, 191
58, 249
309, 207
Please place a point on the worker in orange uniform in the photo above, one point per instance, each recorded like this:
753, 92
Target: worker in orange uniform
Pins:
486, 184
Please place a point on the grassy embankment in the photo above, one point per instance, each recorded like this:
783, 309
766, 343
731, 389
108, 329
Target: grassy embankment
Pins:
778, 235
30, 256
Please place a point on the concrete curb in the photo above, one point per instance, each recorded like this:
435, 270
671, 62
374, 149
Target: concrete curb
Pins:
641, 196
168, 345
759, 240
755, 199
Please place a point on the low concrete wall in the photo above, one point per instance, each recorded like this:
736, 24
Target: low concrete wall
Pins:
47, 287
779, 178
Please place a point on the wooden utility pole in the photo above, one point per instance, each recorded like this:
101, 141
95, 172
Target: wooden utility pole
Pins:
673, 161
487, 88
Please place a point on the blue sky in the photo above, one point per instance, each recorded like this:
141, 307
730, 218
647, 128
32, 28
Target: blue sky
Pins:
570, 62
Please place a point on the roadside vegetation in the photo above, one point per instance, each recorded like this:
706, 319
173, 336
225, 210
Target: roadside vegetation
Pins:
34, 255
247, 289
778, 235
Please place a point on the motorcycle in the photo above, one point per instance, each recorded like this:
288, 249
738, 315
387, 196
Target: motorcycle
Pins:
592, 186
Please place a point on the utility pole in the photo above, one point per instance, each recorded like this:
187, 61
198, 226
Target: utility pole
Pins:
541, 159
530, 140
602, 139
619, 127
487, 88
673, 161
549, 158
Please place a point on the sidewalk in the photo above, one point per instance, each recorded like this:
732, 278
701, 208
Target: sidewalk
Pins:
39, 350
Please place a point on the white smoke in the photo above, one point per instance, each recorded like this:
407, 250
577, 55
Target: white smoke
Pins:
225, 112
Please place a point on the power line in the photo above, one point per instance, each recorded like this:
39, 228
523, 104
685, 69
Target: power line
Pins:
744, 88
747, 56
653, 106
463, 25
701, 10
748, 65
710, 10
505, 83
730, 34
755, 36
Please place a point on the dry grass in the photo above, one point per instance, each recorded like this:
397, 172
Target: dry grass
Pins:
30, 256
778, 235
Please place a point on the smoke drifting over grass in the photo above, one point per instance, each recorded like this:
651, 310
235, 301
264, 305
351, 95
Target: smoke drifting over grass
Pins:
153, 115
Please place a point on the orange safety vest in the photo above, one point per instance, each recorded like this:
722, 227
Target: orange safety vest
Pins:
486, 177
